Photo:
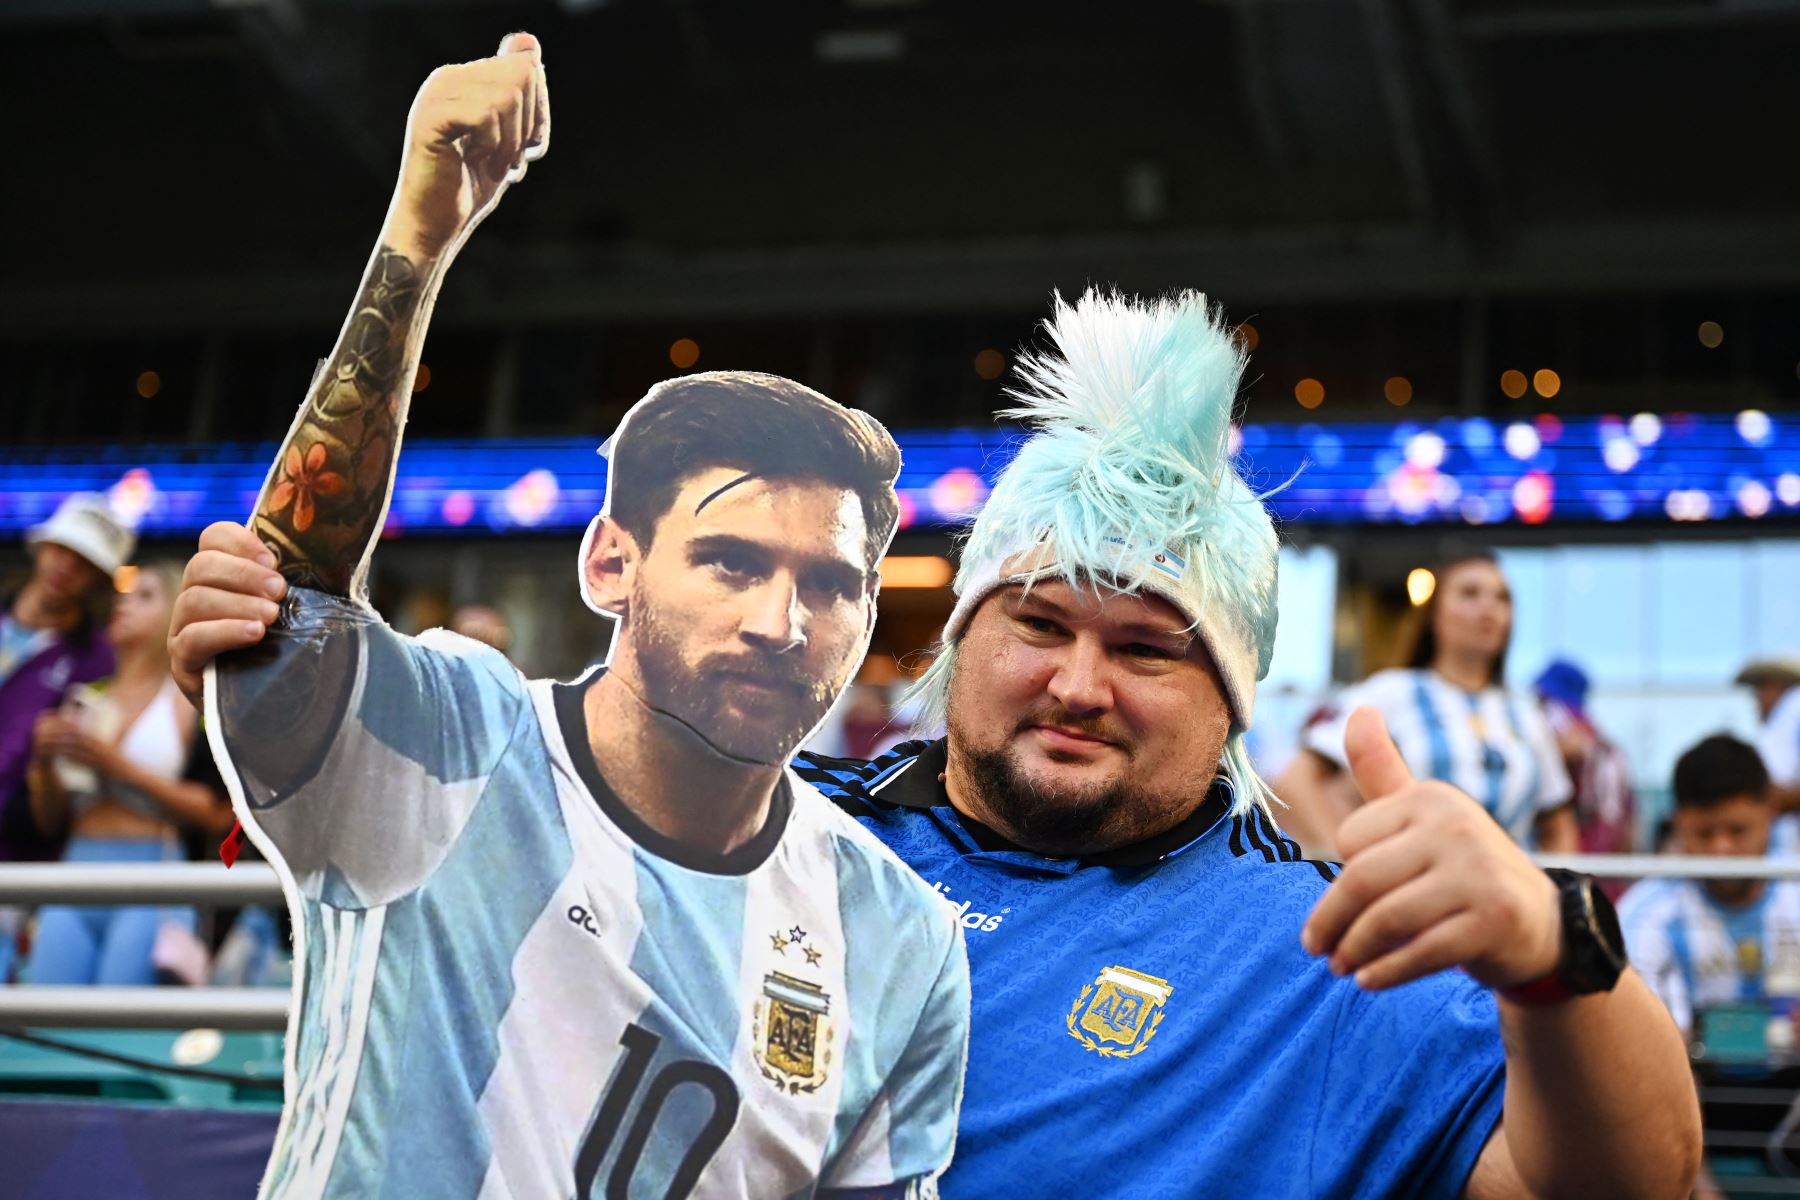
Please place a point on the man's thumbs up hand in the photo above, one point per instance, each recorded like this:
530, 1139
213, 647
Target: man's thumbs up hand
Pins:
1375, 761
1429, 882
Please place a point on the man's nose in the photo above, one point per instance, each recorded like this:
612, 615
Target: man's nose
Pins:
774, 619
1080, 683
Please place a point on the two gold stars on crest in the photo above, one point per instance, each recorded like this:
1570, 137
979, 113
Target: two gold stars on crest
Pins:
796, 936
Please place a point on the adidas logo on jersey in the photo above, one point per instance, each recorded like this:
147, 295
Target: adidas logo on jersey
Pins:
976, 922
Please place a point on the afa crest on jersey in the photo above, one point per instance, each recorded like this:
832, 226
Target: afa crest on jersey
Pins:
791, 1037
1116, 1015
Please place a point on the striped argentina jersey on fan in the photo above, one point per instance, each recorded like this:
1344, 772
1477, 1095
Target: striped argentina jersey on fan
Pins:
507, 986
1696, 953
1495, 746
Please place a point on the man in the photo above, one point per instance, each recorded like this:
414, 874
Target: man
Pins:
49, 642
1147, 1017
1149, 1014
1776, 683
595, 938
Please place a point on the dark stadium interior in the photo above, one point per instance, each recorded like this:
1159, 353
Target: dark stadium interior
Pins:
868, 194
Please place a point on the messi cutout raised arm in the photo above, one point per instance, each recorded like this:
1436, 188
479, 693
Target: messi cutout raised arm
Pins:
517, 974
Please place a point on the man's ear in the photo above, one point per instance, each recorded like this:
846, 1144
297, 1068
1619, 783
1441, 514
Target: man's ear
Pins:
609, 567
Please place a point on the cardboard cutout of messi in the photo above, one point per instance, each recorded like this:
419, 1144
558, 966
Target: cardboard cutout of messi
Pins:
586, 938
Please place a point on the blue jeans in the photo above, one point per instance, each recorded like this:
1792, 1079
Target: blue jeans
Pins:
103, 945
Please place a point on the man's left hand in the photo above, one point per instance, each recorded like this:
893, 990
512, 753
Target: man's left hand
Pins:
1430, 882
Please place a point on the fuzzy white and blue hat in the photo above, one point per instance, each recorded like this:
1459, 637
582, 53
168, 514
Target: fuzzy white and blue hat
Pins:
1128, 483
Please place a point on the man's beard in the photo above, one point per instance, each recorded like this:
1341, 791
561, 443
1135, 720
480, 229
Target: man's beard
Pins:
1068, 819
696, 696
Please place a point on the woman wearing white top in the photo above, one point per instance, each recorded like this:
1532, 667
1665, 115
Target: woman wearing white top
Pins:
1452, 718
111, 776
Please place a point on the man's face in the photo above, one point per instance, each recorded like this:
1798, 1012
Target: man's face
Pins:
750, 609
1080, 722
64, 575
1737, 825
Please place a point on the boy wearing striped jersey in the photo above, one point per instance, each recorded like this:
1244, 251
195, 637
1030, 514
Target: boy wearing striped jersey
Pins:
597, 938
1703, 943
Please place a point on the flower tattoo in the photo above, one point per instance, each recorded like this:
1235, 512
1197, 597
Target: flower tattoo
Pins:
303, 479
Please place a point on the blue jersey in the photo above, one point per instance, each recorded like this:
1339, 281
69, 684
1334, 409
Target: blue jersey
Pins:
1146, 1023
507, 985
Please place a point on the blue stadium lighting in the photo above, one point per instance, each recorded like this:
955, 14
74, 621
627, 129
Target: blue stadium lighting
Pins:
1743, 466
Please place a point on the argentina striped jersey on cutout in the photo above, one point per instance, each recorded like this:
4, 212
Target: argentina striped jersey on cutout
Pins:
507, 986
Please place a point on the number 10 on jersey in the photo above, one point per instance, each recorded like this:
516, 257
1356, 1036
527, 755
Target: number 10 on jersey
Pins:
633, 1104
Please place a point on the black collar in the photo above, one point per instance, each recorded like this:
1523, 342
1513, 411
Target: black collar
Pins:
918, 786
572, 720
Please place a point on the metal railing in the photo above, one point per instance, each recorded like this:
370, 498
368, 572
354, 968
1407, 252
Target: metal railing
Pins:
208, 885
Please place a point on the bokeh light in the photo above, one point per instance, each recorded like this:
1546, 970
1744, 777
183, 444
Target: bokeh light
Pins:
1398, 390
990, 364
957, 493
1711, 334
148, 384
459, 508
1420, 583
684, 353
1248, 337
530, 498
1522, 441
1688, 504
131, 497
1310, 393
1753, 499
1533, 497
1513, 384
1754, 426
1546, 383
1787, 489
1621, 454
1425, 450
1646, 428
916, 571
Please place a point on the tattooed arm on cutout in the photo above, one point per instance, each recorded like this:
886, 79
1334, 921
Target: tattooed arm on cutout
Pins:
473, 129
275, 708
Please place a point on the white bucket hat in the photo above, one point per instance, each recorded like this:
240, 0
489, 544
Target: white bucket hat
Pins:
86, 524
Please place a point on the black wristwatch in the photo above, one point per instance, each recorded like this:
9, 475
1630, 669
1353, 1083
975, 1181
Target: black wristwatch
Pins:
1593, 948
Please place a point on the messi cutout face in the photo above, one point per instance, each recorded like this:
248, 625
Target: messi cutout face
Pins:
749, 610
1083, 722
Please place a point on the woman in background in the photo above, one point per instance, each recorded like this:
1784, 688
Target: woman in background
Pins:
108, 768
1453, 720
